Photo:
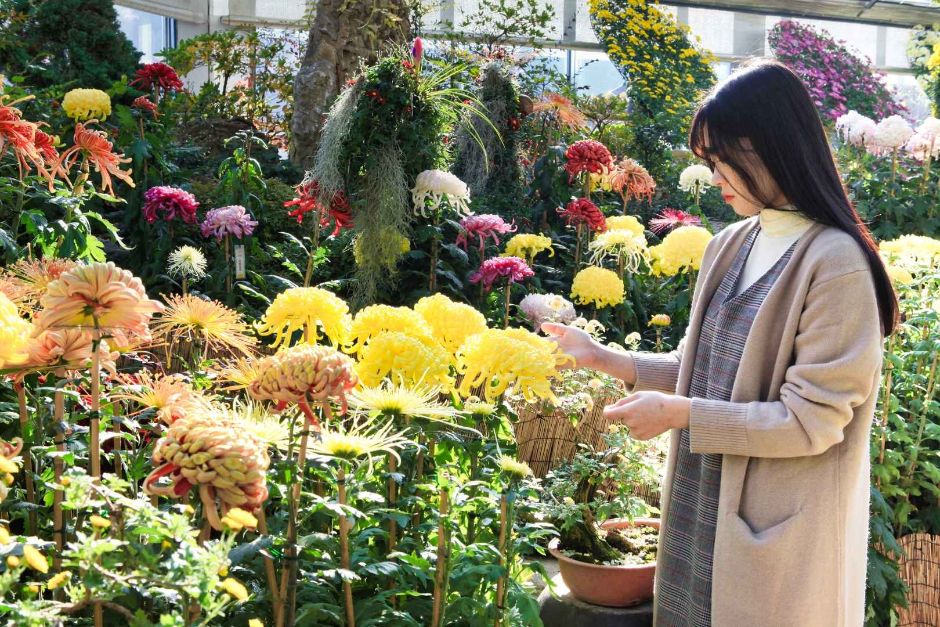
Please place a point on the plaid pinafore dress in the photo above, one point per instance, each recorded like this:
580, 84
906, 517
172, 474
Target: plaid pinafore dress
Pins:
684, 563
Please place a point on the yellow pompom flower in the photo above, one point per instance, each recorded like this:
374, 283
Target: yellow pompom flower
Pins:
451, 322
85, 104
14, 333
912, 252
99, 522
500, 358
235, 589
255, 622
7, 466
375, 319
56, 581
35, 559
660, 320
237, 519
682, 249
309, 309
899, 276
597, 286
626, 223
528, 245
13, 561
404, 359
5, 537
513, 468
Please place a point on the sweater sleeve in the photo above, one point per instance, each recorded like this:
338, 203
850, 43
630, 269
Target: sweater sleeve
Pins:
838, 350
657, 371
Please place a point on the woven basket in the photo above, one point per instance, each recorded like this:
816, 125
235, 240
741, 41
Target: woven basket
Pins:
920, 569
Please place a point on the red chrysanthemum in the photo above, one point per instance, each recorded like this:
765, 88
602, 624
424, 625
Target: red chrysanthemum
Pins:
165, 202
157, 75
307, 200
31, 147
143, 103
671, 219
587, 155
582, 211
482, 227
514, 269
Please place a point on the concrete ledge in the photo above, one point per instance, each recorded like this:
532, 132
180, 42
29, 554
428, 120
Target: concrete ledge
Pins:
567, 611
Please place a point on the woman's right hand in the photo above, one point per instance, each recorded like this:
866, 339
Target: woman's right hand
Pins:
574, 342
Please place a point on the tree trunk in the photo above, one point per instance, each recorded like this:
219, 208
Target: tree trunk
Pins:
343, 32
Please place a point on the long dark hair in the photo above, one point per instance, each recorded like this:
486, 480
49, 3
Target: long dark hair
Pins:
765, 109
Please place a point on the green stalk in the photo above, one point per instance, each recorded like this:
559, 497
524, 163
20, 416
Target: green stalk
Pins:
344, 548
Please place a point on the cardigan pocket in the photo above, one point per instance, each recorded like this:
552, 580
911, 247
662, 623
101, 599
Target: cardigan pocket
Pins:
765, 535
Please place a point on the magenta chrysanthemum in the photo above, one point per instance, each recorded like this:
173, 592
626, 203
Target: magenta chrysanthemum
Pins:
165, 202
232, 220
670, 219
513, 269
482, 227
582, 211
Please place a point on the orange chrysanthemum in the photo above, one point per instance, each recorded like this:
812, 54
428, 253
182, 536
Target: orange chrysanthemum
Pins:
70, 349
32, 147
99, 295
93, 148
170, 396
562, 109
631, 180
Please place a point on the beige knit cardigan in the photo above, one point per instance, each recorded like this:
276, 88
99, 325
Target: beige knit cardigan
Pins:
792, 531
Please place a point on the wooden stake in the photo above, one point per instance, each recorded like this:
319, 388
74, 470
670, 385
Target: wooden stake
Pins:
440, 574
277, 604
501, 582
32, 521
344, 548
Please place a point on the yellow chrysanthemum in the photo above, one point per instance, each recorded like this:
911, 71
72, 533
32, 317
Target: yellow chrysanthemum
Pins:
86, 104
514, 468
660, 320
375, 319
500, 358
401, 401
597, 286
478, 409
238, 374
682, 249
237, 519
14, 333
35, 559
619, 244
899, 276
99, 522
626, 223
8, 466
359, 439
56, 581
208, 323
528, 245
310, 308
405, 359
912, 252
5, 537
235, 589
451, 322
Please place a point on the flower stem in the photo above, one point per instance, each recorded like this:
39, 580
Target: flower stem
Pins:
344, 547
440, 575
922, 423
392, 499
503, 561
95, 449
58, 464
228, 266
886, 403
277, 603
289, 572
894, 170
927, 162
577, 248
508, 295
32, 520
308, 275
432, 272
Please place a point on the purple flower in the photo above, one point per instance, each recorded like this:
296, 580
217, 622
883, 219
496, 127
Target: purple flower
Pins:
513, 269
232, 220
167, 202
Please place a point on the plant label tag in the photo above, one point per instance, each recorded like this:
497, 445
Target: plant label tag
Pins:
240, 262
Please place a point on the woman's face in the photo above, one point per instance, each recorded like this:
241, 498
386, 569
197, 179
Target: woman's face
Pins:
734, 190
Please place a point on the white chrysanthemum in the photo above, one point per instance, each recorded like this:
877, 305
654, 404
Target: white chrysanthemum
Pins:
926, 139
855, 128
187, 262
539, 308
619, 244
892, 132
929, 128
695, 177
440, 186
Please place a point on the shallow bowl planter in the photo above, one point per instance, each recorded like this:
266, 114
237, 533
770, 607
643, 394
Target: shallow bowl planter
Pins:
611, 586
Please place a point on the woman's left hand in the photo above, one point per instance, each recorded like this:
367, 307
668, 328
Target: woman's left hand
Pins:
648, 414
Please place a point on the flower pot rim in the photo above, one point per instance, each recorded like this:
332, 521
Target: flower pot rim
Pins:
558, 555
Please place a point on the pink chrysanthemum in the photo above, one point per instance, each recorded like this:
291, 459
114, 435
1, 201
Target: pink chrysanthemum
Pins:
143, 103
513, 269
307, 200
631, 180
582, 211
165, 202
233, 220
157, 75
482, 227
587, 155
670, 219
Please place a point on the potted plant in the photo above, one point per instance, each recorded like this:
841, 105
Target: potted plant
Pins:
606, 549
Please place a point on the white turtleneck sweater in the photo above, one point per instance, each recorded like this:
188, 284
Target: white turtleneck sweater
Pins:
778, 229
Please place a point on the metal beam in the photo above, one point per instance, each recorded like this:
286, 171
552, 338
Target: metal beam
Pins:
885, 12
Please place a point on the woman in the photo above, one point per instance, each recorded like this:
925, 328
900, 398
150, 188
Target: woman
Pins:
771, 393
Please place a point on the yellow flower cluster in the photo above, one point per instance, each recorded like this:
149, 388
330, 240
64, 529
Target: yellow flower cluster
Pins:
451, 323
14, 333
912, 252
500, 358
375, 319
514, 468
664, 69
682, 249
626, 223
898, 275
597, 286
403, 358
528, 245
308, 309
85, 104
